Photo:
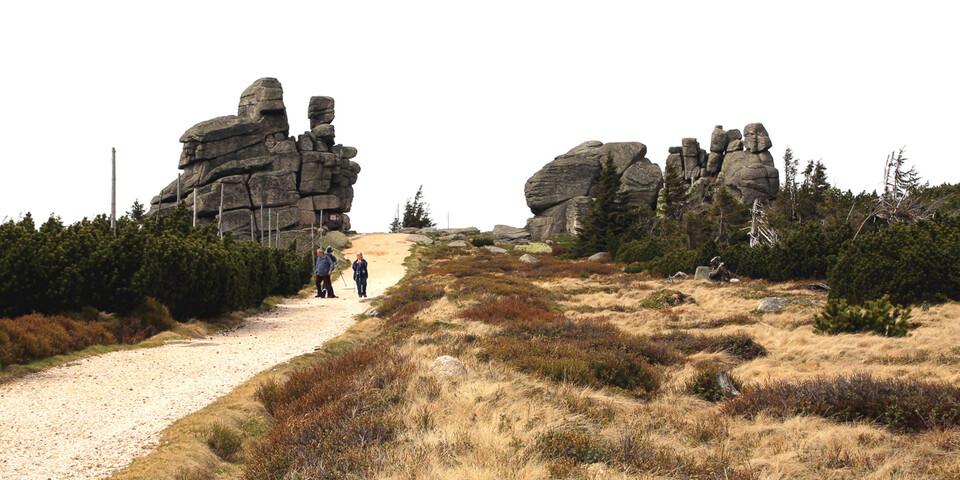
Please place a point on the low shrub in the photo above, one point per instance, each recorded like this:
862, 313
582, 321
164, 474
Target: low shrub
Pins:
877, 316
332, 420
511, 309
642, 250
224, 442
32, 337
481, 286
707, 384
481, 241
589, 353
665, 298
409, 298
905, 405
679, 260
910, 263
739, 345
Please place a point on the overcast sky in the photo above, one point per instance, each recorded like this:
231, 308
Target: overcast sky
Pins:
467, 99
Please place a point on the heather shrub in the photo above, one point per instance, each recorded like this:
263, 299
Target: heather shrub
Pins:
907, 405
331, 420
739, 345
32, 337
588, 353
410, 297
481, 241
876, 316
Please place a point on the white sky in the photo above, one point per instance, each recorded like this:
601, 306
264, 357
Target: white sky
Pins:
467, 99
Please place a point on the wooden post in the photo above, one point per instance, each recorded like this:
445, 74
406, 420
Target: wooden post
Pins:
220, 215
113, 190
160, 205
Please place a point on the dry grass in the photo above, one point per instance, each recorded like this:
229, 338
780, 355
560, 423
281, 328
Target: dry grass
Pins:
532, 405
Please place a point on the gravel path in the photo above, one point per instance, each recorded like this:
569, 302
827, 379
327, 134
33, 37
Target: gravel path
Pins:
88, 418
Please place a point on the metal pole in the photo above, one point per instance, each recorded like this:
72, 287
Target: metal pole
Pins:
178, 189
252, 237
261, 223
194, 208
220, 215
113, 190
269, 227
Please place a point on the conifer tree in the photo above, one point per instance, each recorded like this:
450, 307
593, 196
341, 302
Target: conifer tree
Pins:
416, 212
609, 216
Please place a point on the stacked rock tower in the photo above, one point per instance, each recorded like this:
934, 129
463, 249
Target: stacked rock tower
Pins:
251, 161
560, 194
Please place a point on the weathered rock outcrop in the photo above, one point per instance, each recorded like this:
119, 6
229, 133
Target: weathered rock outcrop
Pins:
741, 163
263, 175
560, 193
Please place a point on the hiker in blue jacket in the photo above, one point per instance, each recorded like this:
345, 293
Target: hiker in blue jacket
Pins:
322, 273
360, 275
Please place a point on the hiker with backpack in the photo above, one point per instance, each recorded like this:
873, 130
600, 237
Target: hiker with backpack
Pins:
326, 265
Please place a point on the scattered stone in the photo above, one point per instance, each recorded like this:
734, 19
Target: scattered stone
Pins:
459, 231
452, 237
702, 273
420, 239
335, 239
773, 304
679, 276
505, 233
529, 259
458, 244
494, 249
600, 257
448, 367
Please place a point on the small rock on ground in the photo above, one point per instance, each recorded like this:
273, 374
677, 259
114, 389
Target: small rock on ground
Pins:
420, 239
772, 304
529, 259
449, 367
493, 249
600, 257
457, 244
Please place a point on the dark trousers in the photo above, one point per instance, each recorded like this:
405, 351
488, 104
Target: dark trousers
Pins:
361, 285
319, 280
327, 287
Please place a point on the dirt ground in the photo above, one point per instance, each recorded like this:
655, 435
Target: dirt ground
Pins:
86, 419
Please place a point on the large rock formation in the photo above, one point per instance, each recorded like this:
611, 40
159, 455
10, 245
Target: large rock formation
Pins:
261, 172
560, 193
741, 163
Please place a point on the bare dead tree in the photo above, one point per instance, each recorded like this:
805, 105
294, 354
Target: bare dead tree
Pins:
761, 233
898, 204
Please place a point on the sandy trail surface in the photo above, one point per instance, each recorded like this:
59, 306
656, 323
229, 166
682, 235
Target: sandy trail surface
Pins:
88, 418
